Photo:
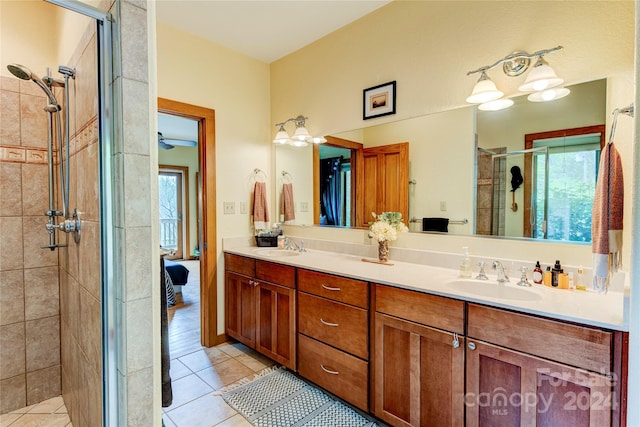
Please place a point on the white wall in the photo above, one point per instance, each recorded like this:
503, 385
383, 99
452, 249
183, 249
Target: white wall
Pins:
428, 47
198, 72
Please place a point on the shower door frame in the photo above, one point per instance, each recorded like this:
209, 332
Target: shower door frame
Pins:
105, 27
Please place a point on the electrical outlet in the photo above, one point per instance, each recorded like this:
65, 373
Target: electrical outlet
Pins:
244, 207
229, 208
443, 206
304, 206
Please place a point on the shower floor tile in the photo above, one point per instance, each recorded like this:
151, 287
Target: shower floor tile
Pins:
50, 413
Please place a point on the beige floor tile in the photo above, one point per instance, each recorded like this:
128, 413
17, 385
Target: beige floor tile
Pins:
255, 361
7, 419
23, 410
233, 349
42, 420
224, 373
48, 406
203, 359
187, 389
205, 411
178, 370
235, 421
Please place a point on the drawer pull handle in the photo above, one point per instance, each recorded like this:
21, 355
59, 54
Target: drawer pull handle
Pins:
329, 288
324, 322
329, 371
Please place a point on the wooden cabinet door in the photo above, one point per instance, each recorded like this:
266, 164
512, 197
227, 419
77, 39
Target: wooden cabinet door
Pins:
418, 374
382, 182
240, 308
508, 388
276, 323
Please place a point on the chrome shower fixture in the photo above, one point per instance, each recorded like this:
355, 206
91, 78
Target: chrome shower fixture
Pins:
22, 72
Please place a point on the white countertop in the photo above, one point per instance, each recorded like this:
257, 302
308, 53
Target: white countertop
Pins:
606, 311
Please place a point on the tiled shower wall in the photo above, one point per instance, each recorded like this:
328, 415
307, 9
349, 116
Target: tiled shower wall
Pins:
29, 304
80, 290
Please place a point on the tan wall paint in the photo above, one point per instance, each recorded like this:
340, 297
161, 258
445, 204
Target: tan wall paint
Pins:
199, 72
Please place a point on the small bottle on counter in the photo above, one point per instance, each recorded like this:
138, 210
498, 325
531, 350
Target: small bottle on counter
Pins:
579, 280
537, 273
546, 278
465, 264
555, 271
280, 241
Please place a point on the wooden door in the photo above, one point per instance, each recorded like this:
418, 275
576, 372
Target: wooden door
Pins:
508, 388
383, 181
240, 308
418, 374
276, 326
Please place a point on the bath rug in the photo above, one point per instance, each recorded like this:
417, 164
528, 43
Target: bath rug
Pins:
277, 398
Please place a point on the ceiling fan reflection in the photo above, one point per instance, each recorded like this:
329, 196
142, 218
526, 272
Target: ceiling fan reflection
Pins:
170, 143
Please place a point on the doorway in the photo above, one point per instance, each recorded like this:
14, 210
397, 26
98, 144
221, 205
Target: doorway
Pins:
206, 246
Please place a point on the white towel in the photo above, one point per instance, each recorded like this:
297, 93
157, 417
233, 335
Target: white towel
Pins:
260, 210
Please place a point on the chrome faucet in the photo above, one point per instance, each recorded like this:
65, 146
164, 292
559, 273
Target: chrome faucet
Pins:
502, 276
291, 244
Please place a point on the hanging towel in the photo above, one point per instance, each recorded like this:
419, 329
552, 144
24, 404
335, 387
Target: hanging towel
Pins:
435, 224
606, 225
260, 210
286, 204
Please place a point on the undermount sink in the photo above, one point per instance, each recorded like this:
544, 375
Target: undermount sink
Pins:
492, 289
276, 253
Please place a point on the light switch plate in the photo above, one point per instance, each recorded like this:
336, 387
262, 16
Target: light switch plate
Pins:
229, 208
304, 206
443, 206
244, 208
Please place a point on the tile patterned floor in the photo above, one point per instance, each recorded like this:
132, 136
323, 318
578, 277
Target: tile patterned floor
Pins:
198, 372
50, 413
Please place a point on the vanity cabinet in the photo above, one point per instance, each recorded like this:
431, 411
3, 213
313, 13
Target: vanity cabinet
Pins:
526, 370
260, 307
333, 334
418, 356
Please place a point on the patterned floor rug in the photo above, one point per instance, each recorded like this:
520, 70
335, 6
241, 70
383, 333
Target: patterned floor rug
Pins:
277, 398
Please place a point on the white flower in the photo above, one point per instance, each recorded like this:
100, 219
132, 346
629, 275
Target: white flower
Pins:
387, 226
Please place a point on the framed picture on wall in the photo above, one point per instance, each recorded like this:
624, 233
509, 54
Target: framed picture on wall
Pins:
379, 100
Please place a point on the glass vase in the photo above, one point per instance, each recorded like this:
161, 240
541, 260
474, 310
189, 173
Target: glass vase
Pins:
383, 251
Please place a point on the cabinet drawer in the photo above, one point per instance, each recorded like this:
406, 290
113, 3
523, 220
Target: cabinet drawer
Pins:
579, 346
338, 372
349, 291
240, 264
437, 312
276, 273
334, 323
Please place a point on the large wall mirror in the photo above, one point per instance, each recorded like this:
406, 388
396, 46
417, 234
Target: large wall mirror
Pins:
450, 177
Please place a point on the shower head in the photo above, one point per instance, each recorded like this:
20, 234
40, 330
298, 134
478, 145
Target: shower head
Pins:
22, 72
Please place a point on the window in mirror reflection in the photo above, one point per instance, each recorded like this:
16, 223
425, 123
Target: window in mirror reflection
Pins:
573, 170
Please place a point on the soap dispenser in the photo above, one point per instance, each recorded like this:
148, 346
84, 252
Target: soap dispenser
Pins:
537, 273
465, 264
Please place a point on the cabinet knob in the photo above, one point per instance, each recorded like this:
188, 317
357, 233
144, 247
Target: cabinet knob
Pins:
329, 288
329, 371
250, 281
472, 346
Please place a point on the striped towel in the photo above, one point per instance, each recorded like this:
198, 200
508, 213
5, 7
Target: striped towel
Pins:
607, 215
260, 210
286, 204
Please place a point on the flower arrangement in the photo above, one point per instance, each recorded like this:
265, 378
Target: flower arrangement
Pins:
386, 226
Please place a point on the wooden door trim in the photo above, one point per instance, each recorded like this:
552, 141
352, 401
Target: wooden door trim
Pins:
208, 247
185, 201
528, 143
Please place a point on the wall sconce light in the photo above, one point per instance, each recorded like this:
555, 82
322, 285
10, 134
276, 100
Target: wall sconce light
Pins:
301, 137
541, 80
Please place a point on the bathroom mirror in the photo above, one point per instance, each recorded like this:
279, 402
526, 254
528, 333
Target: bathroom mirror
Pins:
443, 181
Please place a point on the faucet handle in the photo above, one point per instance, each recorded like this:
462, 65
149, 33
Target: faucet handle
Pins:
481, 275
523, 279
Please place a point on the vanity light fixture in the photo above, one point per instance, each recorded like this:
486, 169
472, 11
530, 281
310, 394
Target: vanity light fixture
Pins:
541, 80
301, 137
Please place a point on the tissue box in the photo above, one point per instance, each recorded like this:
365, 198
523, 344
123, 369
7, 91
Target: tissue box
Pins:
267, 241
